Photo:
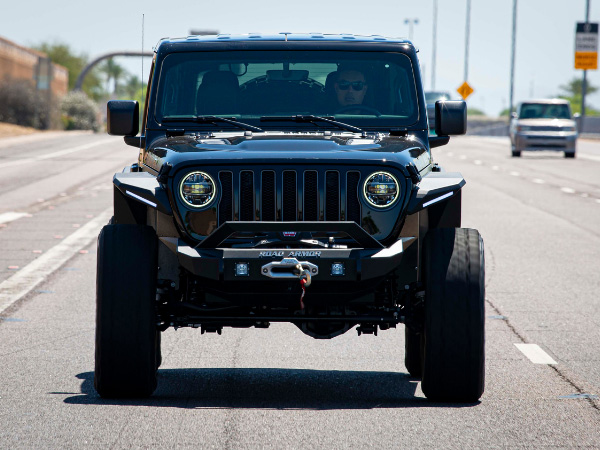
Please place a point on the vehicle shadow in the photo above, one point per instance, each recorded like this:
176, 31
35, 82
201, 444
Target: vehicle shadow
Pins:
268, 388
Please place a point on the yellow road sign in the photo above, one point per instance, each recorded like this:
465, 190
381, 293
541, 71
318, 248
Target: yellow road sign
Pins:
586, 46
465, 90
586, 60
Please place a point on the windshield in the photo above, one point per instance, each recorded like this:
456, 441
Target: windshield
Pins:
374, 89
544, 111
432, 97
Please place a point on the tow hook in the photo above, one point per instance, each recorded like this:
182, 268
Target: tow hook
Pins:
292, 268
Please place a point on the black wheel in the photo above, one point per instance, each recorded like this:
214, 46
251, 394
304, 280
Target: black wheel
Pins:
454, 357
516, 153
569, 154
413, 352
126, 334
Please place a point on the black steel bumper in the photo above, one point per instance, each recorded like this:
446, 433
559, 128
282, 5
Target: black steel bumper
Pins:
369, 262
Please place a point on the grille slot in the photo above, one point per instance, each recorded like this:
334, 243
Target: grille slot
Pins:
332, 195
352, 201
311, 195
226, 203
289, 196
268, 196
247, 195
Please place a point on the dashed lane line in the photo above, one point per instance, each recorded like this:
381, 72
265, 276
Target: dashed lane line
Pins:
11, 216
567, 190
25, 280
66, 151
535, 354
515, 174
538, 181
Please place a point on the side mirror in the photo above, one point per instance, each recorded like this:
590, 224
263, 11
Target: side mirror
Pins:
450, 117
513, 115
122, 117
576, 116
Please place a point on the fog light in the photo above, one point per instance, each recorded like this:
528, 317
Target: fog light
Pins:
338, 269
241, 269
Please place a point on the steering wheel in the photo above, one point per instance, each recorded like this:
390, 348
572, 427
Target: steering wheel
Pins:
364, 108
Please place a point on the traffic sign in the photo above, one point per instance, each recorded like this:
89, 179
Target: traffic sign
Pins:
465, 90
586, 46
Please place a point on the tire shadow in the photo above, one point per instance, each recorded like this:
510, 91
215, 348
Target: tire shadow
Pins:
268, 388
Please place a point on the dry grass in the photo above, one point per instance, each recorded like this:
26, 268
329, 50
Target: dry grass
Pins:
8, 129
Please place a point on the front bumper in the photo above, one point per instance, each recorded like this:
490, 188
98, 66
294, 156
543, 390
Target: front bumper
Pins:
360, 264
537, 141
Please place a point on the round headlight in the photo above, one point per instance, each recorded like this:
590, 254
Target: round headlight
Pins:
197, 189
381, 189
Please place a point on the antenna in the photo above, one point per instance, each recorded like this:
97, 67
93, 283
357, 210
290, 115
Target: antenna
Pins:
143, 102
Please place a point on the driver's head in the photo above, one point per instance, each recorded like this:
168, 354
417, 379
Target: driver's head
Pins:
350, 87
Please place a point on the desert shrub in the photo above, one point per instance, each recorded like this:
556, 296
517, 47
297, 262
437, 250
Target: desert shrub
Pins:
22, 104
79, 112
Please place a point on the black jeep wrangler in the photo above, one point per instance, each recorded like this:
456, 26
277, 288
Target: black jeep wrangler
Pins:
289, 178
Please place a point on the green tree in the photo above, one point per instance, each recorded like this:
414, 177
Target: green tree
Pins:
113, 73
572, 91
61, 53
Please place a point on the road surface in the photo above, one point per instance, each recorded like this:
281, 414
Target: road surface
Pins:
539, 216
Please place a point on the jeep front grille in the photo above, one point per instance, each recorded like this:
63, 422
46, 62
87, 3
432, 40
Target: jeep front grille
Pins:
289, 195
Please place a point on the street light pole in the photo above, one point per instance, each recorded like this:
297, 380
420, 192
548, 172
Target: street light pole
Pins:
434, 44
512, 60
467, 32
411, 23
584, 82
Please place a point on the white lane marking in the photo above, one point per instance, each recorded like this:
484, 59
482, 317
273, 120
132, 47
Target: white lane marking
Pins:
10, 216
515, 174
477, 162
538, 181
450, 154
26, 279
567, 190
462, 157
495, 168
535, 354
588, 157
66, 151
584, 195
598, 200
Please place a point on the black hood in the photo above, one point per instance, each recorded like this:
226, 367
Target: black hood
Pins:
290, 148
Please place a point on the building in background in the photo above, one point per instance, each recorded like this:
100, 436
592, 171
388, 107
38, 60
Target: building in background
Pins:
22, 63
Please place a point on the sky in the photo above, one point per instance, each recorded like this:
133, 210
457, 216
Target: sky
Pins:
544, 40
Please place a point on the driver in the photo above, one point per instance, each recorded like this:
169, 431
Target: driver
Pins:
350, 88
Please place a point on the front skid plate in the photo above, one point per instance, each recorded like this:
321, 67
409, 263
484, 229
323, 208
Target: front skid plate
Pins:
360, 264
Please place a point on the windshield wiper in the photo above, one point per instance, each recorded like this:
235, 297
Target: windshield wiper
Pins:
212, 119
312, 119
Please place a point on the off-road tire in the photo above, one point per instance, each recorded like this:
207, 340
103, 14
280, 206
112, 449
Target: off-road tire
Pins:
516, 153
126, 334
413, 352
454, 274
569, 154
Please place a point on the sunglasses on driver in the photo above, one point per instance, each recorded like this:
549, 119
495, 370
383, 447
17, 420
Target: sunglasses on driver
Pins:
356, 85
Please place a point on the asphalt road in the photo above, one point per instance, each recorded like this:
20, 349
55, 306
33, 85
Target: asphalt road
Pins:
539, 216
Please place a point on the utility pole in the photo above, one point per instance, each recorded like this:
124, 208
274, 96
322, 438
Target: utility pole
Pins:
584, 82
434, 45
467, 32
512, 60
411, 23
